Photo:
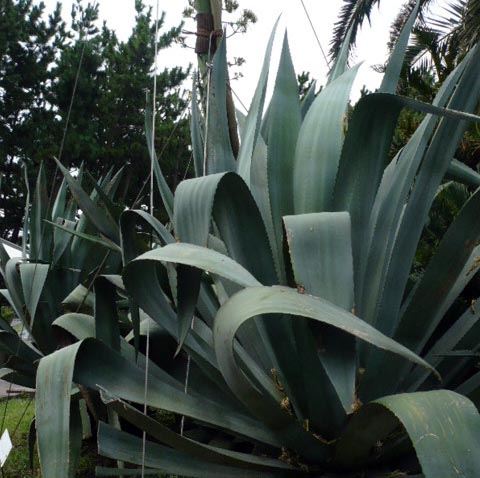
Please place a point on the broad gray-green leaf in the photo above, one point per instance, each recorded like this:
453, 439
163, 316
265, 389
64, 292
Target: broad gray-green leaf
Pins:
283, 127
52, 411
199, 257
443, 426
94, 365
321, 252
319, 146
225, 199
254, 301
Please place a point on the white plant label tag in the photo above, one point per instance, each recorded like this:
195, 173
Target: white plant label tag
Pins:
5, 447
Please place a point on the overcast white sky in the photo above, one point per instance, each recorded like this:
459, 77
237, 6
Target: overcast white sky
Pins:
372, 44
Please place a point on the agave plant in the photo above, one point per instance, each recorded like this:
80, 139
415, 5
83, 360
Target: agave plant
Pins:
285, 280
48, 277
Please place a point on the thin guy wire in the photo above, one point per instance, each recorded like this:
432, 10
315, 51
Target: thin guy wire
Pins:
29, 402
154, 110
238, 98
188, 166
316, 36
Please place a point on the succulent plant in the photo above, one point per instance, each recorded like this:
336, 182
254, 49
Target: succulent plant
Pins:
284, 278
48, 277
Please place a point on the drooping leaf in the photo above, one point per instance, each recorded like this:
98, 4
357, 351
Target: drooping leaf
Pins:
443, 426
115, 444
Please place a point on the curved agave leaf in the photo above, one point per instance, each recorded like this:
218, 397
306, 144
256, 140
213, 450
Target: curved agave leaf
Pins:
239, 224
225, 199
94, 365
191, 255
443, 426
254, 301
198, 450
88, 237
12, 376
269, 300
14, 292
132, 246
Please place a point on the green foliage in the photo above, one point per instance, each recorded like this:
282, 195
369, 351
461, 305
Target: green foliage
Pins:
284, 276
20, 414
29, 45
44, 63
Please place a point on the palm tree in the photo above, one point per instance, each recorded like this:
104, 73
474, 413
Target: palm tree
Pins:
439, 40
